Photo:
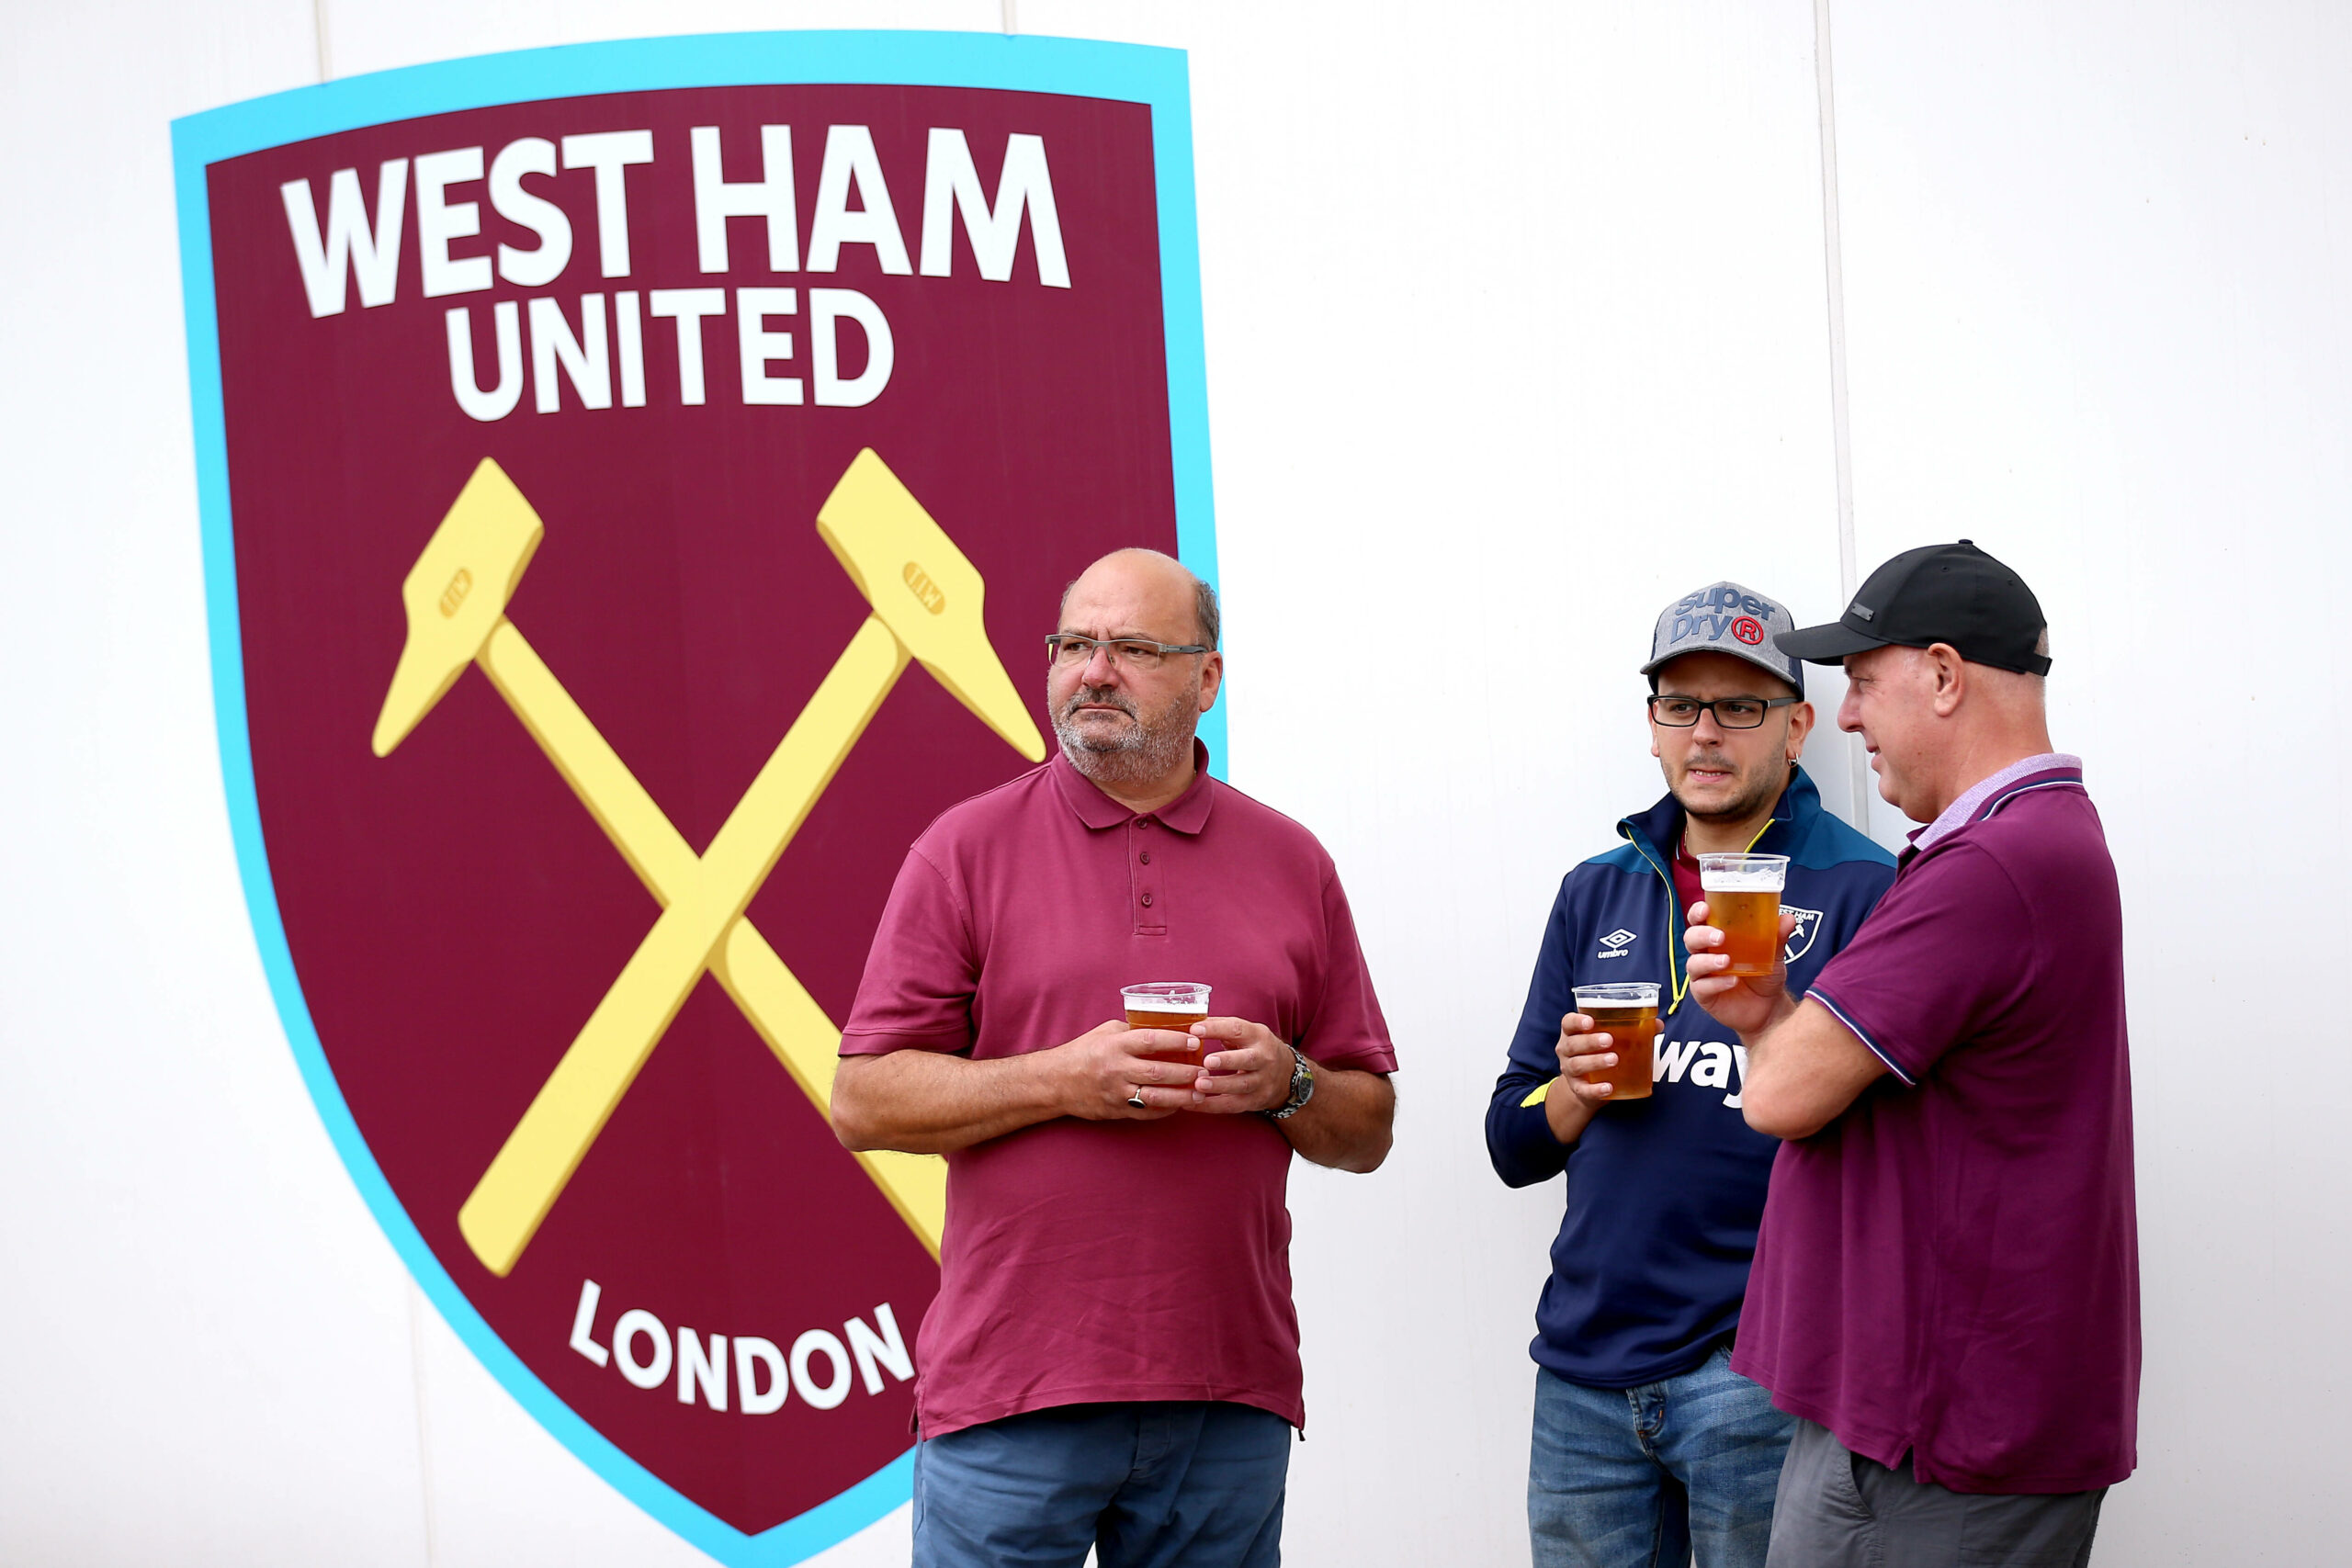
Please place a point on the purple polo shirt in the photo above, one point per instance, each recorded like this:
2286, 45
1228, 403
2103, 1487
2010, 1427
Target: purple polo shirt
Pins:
1951, 1267
1087, 1261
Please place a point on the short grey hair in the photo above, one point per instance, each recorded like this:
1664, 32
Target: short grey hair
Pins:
1204, 603
1205, 608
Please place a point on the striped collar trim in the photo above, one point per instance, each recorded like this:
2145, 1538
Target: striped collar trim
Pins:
1987, 795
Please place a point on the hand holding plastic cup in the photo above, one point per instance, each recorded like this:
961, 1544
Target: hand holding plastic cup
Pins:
1744, 903
1168, 1004
1627, 1013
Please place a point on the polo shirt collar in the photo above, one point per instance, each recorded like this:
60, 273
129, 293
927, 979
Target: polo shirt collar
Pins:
1188, 813
1987, 794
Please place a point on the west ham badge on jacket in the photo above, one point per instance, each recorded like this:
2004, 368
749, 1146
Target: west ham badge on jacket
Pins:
633, 478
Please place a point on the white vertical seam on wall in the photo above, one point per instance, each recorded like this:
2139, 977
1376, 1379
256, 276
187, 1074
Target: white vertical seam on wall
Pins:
1011, 17
415, 1296
318, 36
417, 1306
1834, 268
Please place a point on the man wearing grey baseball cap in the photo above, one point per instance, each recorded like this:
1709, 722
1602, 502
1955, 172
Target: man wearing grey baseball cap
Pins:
1946, 1289
1646, 1444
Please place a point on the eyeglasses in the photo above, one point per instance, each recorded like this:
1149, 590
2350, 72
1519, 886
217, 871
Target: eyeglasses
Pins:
1136, 653
1731, 713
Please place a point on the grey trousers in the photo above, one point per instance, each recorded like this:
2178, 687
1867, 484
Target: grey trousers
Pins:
1836, 1510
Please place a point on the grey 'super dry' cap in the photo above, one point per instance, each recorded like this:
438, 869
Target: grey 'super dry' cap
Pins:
1949, 593
1725, 617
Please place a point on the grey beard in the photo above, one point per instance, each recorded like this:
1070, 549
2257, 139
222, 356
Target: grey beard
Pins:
1153, 749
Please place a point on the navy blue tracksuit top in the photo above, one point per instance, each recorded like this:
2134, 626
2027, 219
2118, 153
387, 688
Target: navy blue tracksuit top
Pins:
1663, 1194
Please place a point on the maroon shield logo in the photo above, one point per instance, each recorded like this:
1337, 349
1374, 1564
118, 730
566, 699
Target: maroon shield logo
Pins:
644, 510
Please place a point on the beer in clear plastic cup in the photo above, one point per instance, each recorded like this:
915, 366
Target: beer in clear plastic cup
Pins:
1744, 903
1169, 1004
1627, 1013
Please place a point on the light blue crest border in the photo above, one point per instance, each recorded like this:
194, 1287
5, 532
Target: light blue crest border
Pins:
1128, 73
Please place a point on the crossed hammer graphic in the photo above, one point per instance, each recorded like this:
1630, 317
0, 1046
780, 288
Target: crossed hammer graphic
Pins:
925, 598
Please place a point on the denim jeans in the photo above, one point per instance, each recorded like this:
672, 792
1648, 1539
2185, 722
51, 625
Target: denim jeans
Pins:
1168, 1483
1642, 1477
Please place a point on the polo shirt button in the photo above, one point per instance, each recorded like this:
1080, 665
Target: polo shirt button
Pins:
1147, 857
1147, 900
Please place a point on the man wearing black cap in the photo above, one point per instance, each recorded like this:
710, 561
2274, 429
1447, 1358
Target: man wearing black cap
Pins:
1645, 1442
1946, 1288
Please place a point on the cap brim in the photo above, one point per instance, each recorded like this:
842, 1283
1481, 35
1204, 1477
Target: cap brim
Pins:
1793, 678
1825, 645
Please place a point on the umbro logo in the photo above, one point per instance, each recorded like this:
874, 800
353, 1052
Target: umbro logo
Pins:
1614, 944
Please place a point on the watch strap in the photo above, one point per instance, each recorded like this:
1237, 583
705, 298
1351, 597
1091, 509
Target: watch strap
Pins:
1302, 1087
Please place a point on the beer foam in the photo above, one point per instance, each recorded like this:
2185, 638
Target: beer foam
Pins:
1193, 1000
1620, 994
1741, 881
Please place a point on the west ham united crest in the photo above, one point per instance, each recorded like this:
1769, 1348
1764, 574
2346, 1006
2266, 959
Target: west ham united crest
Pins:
635, 480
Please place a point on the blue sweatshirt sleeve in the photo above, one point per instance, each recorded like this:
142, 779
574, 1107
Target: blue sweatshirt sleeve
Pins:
1519, 1137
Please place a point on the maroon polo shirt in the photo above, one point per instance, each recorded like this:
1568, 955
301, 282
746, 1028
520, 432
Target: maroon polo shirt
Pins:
1089, 1261
1950, 1268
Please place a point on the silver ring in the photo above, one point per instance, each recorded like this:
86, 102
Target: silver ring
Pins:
1136, 1099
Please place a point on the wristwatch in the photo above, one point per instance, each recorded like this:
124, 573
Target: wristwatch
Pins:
1302, 1087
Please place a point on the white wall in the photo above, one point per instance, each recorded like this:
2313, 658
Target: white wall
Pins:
1517, 328
2096, 305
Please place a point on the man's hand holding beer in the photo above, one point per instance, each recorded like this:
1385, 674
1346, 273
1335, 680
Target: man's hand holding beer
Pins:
1236, 1067
1576, 1093
1746, 1004
1248, 1067
1111, 1065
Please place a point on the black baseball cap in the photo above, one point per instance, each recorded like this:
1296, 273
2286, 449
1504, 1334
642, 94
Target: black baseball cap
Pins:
1947, 593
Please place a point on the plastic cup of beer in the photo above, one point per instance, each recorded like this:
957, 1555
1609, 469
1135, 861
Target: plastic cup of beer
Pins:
1744, 903
1627, 1013
1169, 1004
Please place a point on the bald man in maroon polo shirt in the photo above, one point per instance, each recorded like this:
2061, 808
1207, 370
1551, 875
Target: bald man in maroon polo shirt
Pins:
1946, 1290
1111, 1362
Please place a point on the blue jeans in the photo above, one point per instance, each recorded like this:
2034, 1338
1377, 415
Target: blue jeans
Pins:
1153, 1484
1637, 1477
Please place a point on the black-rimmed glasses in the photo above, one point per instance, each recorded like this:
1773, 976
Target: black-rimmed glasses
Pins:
1731, 713
1136, 653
